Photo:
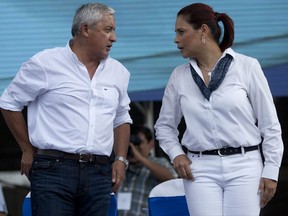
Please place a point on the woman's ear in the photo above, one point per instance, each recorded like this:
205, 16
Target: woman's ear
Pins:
204, 29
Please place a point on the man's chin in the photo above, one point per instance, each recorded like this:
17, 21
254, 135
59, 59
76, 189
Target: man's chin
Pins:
103, 57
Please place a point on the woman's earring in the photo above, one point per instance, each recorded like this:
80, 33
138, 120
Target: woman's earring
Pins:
203, 39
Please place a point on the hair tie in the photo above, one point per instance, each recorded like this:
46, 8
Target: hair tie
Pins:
217, 15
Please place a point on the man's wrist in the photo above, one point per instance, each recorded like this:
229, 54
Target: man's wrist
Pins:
124, 160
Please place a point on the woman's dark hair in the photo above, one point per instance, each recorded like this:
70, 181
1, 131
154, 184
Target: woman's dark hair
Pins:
198, 14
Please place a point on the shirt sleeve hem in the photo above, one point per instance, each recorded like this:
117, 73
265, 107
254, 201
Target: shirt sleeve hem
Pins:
271, 172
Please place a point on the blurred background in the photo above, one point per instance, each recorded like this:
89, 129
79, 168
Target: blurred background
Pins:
145, 34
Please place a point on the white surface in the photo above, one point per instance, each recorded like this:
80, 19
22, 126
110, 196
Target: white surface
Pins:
173, 187
14, 178
124, 200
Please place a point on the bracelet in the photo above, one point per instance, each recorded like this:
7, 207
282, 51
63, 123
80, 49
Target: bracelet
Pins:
124, 160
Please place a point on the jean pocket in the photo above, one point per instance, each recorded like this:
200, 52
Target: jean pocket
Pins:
43, 164
105, 169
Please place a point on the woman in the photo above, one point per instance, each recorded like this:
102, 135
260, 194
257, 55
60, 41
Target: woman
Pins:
229, 111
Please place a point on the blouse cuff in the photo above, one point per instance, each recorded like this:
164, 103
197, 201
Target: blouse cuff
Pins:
270, 172
174, 152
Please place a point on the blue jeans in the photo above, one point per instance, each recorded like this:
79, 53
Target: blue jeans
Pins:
66, 187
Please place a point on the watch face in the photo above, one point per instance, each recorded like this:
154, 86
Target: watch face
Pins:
120, 158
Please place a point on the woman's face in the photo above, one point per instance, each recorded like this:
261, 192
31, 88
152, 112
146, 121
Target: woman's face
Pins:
188, 39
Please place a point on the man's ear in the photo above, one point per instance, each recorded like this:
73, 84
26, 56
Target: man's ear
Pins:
84, 30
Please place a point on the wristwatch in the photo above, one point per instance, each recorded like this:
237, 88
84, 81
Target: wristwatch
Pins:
124, 160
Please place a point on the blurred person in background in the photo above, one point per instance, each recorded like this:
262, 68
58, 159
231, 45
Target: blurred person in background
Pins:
144, 172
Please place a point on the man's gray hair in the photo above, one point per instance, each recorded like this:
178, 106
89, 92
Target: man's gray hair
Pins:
89, 14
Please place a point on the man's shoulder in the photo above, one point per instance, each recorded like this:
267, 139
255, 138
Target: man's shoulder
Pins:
49, 52
112, 63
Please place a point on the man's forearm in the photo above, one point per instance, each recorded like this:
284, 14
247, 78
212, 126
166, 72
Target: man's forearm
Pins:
159, 172
121, 140
18, 127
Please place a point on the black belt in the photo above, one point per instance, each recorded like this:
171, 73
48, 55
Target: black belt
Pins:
226, 151
102, 159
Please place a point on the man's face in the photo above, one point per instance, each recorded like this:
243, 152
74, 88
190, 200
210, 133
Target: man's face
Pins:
101, 36
144, 146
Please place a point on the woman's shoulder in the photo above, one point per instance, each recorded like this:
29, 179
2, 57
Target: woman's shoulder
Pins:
182, 68
240, 57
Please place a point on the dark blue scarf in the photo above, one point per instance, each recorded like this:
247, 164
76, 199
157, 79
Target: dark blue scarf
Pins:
216, 77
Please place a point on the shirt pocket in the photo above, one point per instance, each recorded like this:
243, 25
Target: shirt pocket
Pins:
108, 98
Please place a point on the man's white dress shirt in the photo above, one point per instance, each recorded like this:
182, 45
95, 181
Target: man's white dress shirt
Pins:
66, 109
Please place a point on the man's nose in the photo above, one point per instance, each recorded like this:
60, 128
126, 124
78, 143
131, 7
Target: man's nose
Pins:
113, 37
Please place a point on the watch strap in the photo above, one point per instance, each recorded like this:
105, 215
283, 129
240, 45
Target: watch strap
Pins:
123, 159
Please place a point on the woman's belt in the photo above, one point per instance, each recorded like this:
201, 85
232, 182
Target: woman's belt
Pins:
226, 151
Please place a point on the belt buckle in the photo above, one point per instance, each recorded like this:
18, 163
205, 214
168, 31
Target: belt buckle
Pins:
219, 153
82, 159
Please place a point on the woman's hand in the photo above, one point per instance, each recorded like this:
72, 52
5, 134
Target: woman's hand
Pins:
267, 189
181, 164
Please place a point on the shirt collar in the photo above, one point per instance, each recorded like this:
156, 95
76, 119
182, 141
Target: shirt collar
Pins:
74, 57
228, 51
70, 53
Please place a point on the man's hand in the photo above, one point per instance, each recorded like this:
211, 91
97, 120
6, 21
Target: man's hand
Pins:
137, 156
118, 174
267, 189
26, 161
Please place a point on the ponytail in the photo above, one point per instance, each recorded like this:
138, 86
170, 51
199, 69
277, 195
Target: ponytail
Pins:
228, 37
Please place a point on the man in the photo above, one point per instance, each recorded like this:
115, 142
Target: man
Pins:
145, 171
77, 115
